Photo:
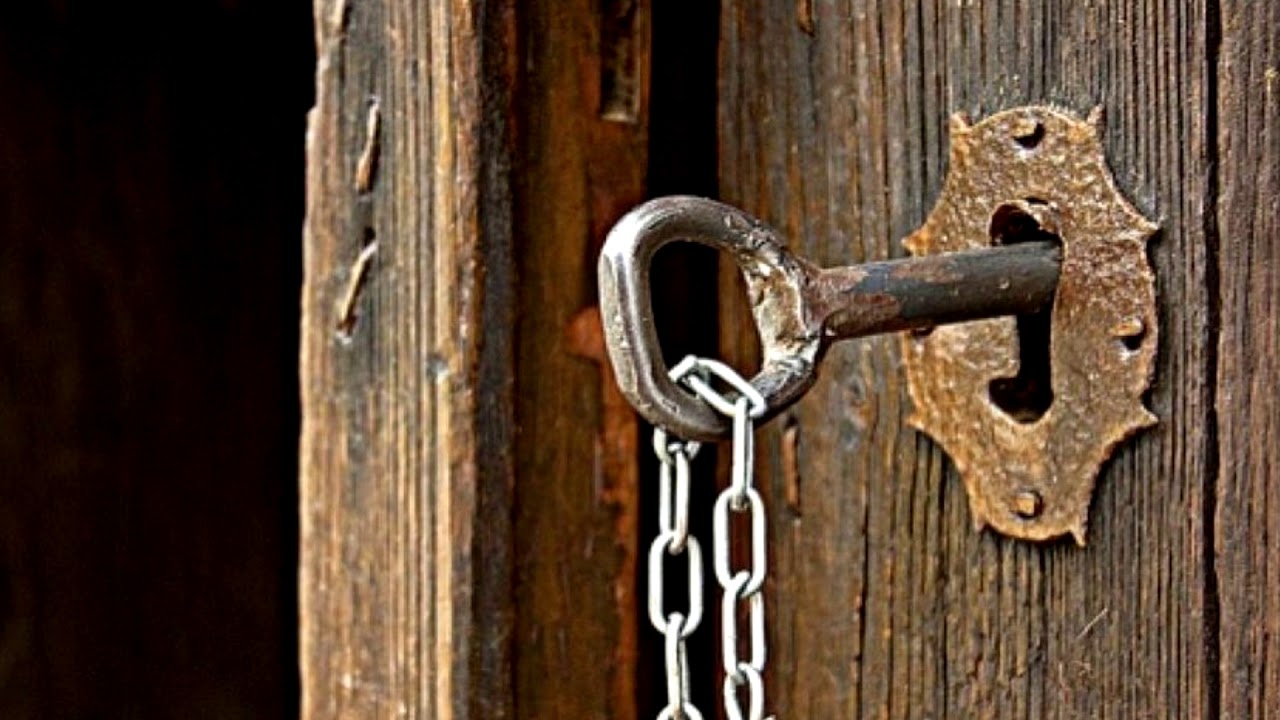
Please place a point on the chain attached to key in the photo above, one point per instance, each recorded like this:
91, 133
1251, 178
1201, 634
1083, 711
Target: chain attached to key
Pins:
742, 589
674, 540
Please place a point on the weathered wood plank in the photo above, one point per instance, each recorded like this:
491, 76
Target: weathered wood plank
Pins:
1247, 521
885, 603
407, 363
583, 109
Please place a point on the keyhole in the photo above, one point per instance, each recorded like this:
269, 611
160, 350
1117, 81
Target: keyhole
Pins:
1027, 396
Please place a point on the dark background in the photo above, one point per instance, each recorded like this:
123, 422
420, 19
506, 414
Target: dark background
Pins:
151, 205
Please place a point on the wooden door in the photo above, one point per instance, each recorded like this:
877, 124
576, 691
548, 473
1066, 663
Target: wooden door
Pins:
474, 490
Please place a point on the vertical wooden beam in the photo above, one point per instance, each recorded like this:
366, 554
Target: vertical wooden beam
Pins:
407, 362
1247, 223
886, 603
584, 147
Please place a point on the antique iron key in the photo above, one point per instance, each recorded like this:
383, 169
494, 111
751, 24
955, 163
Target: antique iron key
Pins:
800, 309
1029, 220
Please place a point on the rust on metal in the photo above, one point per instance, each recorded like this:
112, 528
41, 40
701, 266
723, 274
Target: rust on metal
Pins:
799, 309
1029, 224
775, 279
1030, 472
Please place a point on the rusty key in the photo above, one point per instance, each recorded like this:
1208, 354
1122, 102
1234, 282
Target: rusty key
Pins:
799, 308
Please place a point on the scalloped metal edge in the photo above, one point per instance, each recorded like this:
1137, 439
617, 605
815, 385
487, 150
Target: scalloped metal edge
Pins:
1035, 480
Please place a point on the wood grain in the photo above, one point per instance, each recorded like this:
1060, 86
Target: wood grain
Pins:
583, 108
470, 514
1247, 519
885, 603
408, 425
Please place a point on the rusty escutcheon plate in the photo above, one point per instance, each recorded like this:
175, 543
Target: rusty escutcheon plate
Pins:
1029, 457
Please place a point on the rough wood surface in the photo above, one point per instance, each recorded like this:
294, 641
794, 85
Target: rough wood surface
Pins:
1247, 519
470, 517
583, 109
407, 363
884, 601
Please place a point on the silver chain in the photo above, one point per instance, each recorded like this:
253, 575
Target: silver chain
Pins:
743, 590
674, 540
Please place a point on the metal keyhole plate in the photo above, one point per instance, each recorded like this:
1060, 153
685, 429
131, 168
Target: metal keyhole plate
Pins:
1030, 473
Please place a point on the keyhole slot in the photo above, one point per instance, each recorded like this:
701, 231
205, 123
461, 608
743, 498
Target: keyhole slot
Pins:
1027, 396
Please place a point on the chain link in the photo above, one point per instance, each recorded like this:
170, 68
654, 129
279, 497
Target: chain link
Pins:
743, 590
673, 541
673, 512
